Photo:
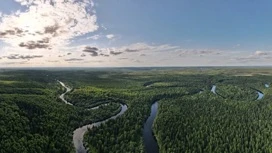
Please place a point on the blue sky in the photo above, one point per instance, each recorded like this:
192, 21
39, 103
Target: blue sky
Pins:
135, 33
192, 23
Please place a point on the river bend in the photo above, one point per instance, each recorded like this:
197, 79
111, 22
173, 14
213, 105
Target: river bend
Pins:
78, 134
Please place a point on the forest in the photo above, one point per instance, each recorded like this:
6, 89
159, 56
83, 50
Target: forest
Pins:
190, 117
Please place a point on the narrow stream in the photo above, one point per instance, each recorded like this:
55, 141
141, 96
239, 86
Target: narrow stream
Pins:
260, 95
213, 89
150, 142
62, 95
78, 134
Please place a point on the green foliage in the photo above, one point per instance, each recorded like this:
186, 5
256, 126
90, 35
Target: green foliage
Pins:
209, 123
34, 119
236, 93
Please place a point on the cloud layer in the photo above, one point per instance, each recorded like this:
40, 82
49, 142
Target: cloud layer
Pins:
27, 57
47, 24
61, 32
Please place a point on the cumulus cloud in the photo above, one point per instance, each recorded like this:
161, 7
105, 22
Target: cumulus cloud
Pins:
261, 53
47, 23
92, 50
115, 53
36, 44
110, 36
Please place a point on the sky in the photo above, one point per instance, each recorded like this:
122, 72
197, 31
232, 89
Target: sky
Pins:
127, 33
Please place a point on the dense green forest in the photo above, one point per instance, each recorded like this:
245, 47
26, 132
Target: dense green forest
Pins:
190, 117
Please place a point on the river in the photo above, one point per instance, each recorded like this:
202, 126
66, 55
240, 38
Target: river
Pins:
78, 134
150, 142
62, 95
260, 94
213, 89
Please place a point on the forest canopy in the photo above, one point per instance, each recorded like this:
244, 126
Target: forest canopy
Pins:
190, 117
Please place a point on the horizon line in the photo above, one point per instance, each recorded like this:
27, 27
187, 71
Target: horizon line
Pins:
51, 67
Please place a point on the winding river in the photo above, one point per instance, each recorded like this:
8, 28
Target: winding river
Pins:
78, 134
260, 94
62, 95
150, 142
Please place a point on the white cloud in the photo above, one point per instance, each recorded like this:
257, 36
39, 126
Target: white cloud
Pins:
140, 47
47, 23
94, 37
257, 56
261, 53
198, 52
110, 36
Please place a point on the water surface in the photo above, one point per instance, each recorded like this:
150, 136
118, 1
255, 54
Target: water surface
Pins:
150, 142
213, 89
62, 95
78, 134
260, 95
